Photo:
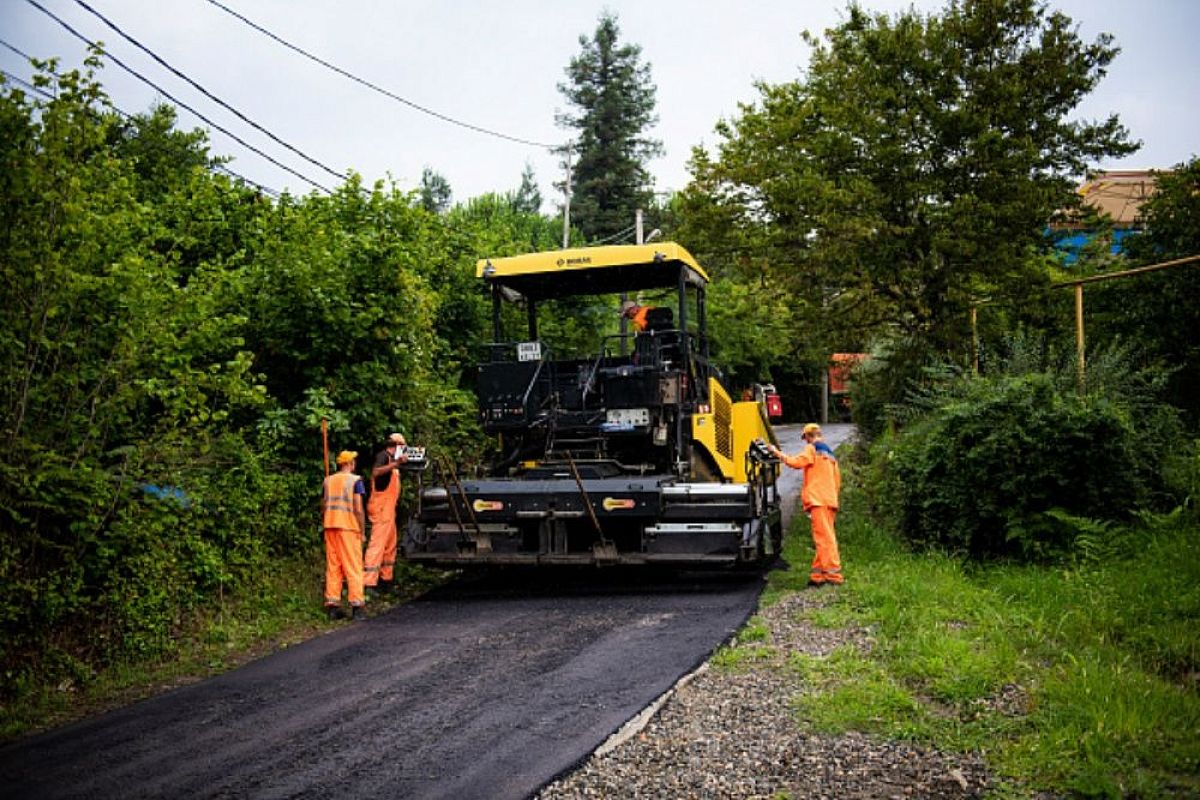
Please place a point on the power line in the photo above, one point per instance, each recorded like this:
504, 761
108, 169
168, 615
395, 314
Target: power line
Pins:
215, 166
173, 99
25, 56
26, 84
207, 93
376, 88
267, 190
621, 234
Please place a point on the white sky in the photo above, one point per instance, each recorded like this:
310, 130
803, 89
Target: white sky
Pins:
497, 65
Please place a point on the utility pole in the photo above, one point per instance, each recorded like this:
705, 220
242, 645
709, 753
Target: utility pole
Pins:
825, 395
637, 224
567, 201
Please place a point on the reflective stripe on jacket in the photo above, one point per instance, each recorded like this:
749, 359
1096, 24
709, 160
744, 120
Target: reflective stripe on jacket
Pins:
822, 477
339, 501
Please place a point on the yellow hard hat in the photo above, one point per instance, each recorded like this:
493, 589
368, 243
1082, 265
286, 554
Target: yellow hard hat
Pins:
811, 427
346, 456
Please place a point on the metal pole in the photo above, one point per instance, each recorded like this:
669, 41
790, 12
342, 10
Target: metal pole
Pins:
1125, 273
567, 202
825, 395
637, 224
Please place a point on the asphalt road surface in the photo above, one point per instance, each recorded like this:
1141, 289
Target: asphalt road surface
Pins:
485, 688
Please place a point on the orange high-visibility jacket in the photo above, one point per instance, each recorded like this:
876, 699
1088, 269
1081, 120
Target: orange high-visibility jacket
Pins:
339, 501
822, 477
639, 319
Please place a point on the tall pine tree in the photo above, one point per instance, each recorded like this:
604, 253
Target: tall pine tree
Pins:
612, 98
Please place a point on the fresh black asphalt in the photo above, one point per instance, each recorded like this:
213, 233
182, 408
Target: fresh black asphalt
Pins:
485, 688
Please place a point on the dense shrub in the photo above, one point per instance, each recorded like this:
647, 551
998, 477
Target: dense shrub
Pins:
980, 473
1022, 460
170, 341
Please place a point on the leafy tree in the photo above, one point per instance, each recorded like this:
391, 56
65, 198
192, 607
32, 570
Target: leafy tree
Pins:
163, 157
613, 98
912, 169
1157, 309
121, 374
435, 191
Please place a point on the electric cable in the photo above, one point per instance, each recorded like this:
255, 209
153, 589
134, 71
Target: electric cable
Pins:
175, 100
25, 56
379, 89
219, 167
618, 235
207, 93
27, 85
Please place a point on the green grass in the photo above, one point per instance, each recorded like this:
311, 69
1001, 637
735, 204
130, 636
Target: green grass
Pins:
1079, 680
285, 609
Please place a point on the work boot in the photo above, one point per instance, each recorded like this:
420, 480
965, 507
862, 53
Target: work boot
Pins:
334, 613
358, 613
815, 584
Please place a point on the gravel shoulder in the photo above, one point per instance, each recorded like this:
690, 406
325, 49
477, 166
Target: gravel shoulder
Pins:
730, 733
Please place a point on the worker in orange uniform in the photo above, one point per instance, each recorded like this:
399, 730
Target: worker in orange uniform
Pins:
637, 315
344, 526
380, 561
822, 482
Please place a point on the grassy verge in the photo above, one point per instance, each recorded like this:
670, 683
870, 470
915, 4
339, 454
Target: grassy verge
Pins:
285, 609
1079, 679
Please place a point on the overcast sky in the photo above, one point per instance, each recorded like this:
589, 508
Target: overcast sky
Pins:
496, 65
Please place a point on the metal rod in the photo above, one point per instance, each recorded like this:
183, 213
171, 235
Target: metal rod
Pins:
1127, 272
587, 501
463, 494
462, 529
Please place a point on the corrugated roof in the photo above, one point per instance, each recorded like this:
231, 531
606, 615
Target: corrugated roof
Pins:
1119, 193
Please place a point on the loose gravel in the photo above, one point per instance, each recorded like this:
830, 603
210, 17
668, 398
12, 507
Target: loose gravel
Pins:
731, 734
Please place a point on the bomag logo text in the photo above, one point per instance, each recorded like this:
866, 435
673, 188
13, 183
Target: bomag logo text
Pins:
574, 262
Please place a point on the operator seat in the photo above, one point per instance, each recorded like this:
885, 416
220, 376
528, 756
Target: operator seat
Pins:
659, 339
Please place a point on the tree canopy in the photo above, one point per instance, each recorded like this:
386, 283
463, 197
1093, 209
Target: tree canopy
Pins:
613, 97
170, 340
912, 170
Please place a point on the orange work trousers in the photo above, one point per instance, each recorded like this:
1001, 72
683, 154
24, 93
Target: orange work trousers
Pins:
827, 564
343, 561
380, 560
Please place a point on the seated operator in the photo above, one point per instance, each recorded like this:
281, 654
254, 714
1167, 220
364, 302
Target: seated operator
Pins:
646, 317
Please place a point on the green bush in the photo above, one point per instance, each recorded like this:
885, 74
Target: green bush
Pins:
981, 473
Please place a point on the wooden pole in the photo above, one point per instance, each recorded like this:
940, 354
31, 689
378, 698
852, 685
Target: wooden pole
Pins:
325, 443
975, 338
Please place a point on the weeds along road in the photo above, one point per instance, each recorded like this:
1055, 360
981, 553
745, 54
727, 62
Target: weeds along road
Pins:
485, 688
